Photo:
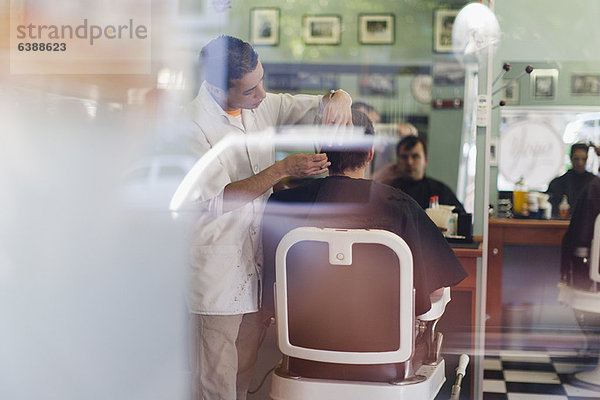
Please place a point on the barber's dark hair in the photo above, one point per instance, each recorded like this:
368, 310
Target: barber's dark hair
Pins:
355, 156
409, 142
579, 146
226, 58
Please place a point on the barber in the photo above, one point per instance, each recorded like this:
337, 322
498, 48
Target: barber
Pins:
226, 260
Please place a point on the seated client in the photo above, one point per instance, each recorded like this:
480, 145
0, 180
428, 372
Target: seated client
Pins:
408, 175
345, 200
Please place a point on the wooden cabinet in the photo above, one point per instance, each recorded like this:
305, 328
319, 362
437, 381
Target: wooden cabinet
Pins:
518, 232
468, 259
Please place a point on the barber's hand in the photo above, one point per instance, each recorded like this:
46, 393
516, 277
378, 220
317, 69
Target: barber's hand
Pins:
337, 110
301, 165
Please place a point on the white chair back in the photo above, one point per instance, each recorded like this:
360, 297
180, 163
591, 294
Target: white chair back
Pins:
340, 248
595, 252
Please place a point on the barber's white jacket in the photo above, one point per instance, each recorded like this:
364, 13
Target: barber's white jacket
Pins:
226, 254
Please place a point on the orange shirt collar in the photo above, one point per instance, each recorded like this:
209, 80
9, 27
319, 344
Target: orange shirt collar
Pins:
235, 113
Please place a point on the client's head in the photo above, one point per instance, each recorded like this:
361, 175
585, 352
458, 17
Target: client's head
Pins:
353, 156
412, 158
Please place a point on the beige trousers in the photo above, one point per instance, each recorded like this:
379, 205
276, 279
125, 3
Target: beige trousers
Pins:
224, 349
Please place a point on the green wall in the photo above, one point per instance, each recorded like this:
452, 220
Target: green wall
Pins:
444, 144
549, 30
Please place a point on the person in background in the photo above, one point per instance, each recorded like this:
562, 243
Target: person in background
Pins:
403, 129
572, 182
406, 129
575, 259
408, 175
369, 110
580, 234
385, 150
224, 282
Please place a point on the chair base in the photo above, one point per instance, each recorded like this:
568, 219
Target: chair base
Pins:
298, 388
588, 302
589, 380
578, 299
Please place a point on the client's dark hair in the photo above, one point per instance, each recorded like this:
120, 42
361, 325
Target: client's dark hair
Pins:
226, 58
409, 142
354, 155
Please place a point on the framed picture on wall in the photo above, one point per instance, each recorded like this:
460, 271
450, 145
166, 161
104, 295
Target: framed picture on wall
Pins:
585, 84
322, 29
264, 26
443, 21
543, 84
510, 94
377, 84
376, 28
448, 73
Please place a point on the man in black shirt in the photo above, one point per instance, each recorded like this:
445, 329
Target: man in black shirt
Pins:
345, 200
408, 175
573, 181
580, 234
575, 269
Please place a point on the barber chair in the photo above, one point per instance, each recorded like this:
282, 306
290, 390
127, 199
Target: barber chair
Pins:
585, 301
345, 319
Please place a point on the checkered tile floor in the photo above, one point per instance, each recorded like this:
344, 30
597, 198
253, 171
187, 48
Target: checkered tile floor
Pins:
520, 375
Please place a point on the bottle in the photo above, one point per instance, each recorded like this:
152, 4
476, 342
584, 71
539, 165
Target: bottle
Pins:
544, 206
452, 224
564, 210
434, 202
520, 201
435, 213
548, 210
533, 206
